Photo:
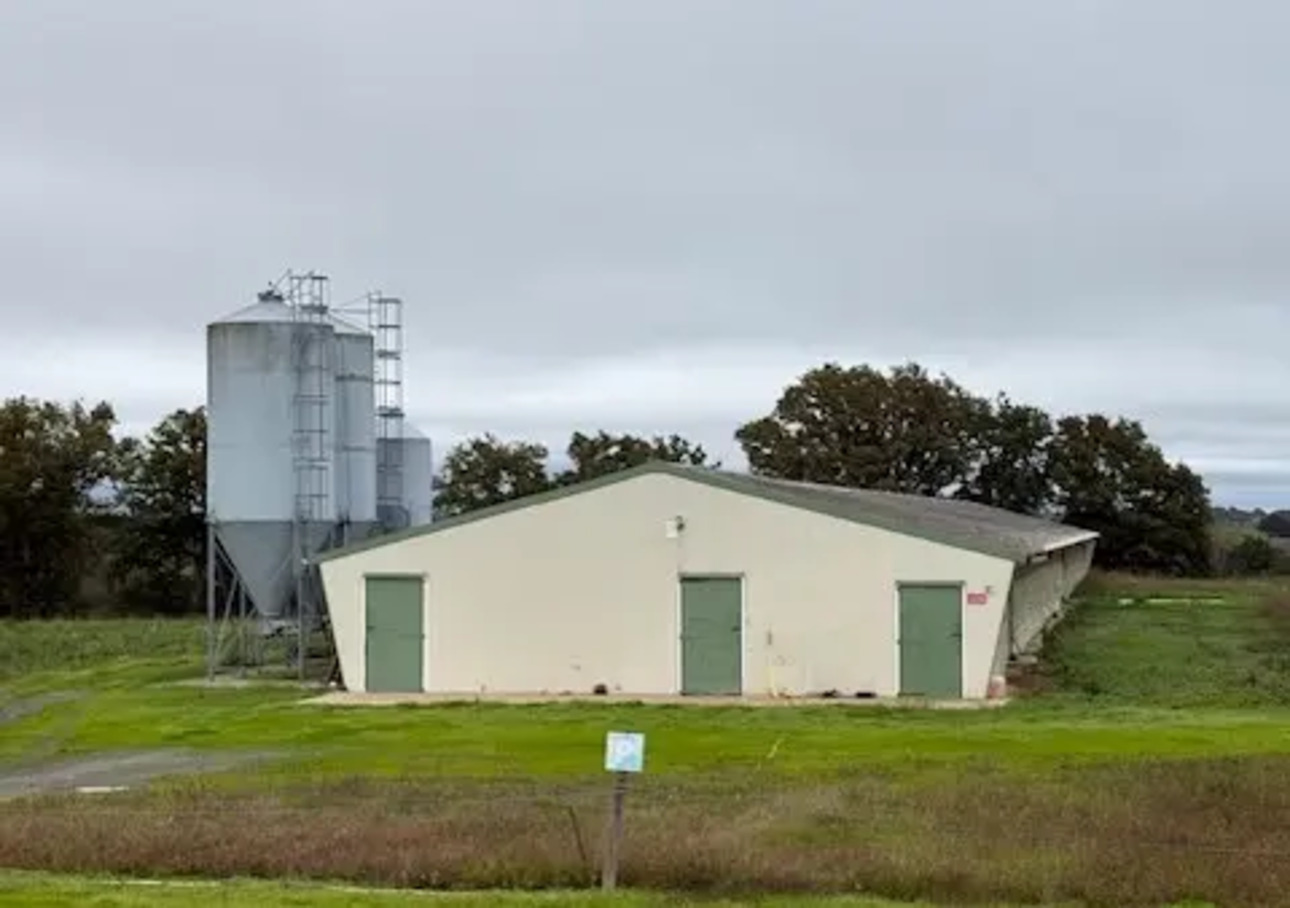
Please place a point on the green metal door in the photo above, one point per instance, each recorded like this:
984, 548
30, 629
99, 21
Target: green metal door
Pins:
395, 634
931, 641
711, 635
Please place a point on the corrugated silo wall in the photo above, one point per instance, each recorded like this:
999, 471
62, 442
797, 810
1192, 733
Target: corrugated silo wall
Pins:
355, 433
251, 384
418, 480
251, 480
1037, 600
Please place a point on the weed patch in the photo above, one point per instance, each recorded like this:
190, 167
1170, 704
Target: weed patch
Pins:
1147, 833
29, 647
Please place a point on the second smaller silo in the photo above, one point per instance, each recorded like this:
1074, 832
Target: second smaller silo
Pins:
418, 476
355, 435
414, 456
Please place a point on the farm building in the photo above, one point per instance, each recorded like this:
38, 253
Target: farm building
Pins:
668, 579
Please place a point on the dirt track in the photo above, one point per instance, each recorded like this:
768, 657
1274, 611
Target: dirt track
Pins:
13, 710
121, 769
112, 770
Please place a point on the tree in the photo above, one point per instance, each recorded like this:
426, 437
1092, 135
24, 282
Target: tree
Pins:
1152, 515
486, 471
602, 454
903, 432
52, 460
159, 559
1276, 524
1012, 469
906, 431
1253, 554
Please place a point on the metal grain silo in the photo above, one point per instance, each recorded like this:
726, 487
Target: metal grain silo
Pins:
270, 453
415, 485
355, 436
418, 476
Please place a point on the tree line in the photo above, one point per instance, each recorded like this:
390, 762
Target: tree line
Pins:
93, 522
906, 430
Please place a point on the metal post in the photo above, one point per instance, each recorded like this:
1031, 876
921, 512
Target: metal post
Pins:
241, 631
210, 602
300, 615
227, 610
609, 879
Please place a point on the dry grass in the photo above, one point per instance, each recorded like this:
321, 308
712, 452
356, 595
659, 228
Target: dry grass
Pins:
1144, 833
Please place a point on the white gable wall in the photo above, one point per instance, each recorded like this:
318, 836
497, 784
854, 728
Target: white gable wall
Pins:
583, 590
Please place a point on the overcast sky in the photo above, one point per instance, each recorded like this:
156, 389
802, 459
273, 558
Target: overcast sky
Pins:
653, 215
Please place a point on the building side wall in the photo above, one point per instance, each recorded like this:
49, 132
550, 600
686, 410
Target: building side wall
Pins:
1002, 648
583, 590
1039, 595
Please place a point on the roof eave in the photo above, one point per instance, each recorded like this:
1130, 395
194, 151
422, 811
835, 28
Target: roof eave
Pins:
1043, 553
1086, 536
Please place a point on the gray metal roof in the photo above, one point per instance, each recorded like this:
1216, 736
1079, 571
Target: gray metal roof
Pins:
961, 524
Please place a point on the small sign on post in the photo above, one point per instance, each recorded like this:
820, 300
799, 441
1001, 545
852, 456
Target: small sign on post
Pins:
624, 755
624, 751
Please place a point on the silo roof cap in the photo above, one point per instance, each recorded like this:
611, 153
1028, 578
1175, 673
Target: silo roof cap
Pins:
344, 326
266, 310
271, 309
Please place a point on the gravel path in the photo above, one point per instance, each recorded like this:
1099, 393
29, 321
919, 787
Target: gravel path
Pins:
126, 769
13, 710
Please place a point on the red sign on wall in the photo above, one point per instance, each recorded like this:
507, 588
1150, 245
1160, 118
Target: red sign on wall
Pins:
978, 598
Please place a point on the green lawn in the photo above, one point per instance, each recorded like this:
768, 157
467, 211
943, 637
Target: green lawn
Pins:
123, 710
1169, 644
1128, 680
1152, 766
43, 891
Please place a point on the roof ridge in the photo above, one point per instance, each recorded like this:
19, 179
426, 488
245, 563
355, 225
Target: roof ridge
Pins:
990, 531
954, 521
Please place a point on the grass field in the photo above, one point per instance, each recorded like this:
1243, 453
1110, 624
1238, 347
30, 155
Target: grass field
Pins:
45, 891
31, 649
1161, 643
1151, 768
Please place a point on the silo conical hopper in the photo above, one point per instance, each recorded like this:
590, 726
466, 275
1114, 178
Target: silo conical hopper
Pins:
414, 490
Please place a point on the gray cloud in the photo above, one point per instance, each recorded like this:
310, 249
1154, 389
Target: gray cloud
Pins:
653, 215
